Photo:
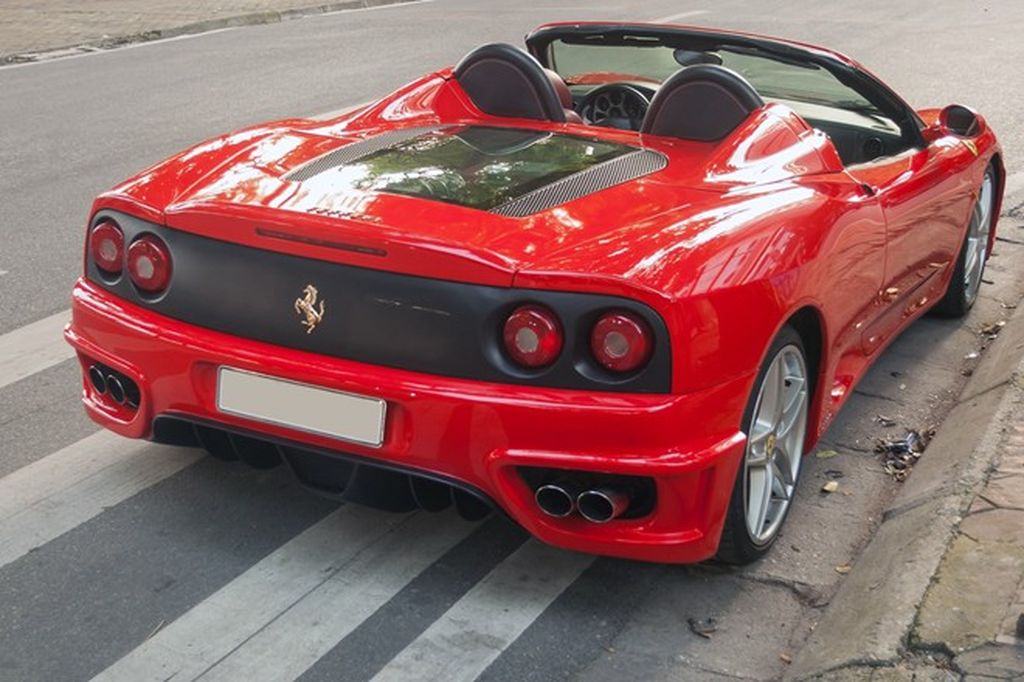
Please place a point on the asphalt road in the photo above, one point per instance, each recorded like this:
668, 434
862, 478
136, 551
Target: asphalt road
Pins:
137, 560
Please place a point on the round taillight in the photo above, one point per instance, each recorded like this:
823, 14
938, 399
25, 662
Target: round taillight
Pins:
149, 264
621, 342
106, 242
533, 336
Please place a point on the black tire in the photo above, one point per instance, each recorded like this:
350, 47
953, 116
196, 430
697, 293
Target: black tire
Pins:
956, 301
736, 545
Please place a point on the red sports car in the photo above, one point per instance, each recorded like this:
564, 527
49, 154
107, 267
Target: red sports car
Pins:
615, 284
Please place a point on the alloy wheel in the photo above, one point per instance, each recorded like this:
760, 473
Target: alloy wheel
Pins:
775, 444
977, 239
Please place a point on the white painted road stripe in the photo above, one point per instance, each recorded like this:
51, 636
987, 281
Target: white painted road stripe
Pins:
33, 348
219, 625
53, 495
477, 628
346, 593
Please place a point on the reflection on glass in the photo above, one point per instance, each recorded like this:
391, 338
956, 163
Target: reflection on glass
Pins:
476, 166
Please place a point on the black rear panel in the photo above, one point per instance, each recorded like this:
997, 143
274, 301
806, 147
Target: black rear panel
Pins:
424, 325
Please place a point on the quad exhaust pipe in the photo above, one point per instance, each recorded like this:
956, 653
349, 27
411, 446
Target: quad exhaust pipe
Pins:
602, 505
557, 499
597, 505
118, 387
98, 379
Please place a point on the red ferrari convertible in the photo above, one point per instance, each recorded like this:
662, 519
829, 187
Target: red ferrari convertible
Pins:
616, 284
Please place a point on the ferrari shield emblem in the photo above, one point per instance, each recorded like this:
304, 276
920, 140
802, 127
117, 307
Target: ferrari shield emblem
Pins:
970, 145
307, 307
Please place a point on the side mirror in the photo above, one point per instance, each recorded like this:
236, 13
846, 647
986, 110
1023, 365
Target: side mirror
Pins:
956, 120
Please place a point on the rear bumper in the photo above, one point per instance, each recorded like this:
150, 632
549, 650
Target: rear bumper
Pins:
476, 433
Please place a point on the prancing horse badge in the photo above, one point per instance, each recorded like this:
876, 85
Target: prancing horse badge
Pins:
306, 306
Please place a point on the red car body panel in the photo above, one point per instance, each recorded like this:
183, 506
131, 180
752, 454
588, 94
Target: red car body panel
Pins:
727, 243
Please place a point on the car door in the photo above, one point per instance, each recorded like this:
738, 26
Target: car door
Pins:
924, 209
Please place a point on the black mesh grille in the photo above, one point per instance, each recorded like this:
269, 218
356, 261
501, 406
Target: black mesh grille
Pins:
608, 174
353, 151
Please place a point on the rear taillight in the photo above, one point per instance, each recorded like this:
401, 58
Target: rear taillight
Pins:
106, 243
533, 336
621, 342
149, 264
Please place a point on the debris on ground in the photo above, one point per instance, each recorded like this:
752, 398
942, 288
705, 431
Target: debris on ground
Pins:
990, 330
970, 357
844, 569
900, 454
830, 487
834, 473
884, 420
826, 454
785, 658
1007, 306
895, 373
703, 627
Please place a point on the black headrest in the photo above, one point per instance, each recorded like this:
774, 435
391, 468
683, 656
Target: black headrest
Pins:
503, 80
704, 102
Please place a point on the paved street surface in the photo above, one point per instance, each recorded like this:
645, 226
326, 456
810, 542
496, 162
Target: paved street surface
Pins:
131, 561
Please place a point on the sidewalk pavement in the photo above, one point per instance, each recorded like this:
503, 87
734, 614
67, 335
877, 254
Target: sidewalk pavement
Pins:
29, 27
938, 593
974, 609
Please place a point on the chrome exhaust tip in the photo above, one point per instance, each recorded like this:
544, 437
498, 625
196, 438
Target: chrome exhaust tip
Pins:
98, 381
602, 505
555, 500
116, 389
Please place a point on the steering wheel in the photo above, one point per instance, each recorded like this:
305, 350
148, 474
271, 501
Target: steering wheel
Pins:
615, 105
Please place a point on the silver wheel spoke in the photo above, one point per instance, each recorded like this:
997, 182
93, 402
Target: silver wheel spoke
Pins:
794, 406
782, 472
770, 405
757, 459
779, 490
761, 484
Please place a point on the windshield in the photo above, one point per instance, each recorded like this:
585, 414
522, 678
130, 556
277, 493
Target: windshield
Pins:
772, 76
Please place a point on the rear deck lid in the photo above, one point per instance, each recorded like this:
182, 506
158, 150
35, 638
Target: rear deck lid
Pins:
508, 171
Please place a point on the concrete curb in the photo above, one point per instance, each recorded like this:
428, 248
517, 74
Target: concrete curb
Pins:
205, 26
869, 619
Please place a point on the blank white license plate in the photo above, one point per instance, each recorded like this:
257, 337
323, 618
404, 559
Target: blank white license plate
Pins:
300, 406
